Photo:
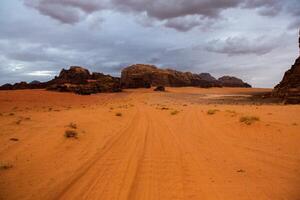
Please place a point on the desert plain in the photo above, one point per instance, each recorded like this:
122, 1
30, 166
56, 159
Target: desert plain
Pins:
186, 143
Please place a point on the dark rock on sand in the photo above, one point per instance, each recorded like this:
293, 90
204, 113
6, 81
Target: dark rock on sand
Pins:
160, 89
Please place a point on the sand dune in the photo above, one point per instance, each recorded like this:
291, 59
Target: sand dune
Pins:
163, 146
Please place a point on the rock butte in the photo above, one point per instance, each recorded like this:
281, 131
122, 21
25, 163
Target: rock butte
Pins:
289, 88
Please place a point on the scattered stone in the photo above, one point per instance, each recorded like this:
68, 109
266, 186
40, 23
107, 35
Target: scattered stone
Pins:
160, 89
14, 139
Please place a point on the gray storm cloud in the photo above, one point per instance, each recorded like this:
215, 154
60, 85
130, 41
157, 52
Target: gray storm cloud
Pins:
178, 14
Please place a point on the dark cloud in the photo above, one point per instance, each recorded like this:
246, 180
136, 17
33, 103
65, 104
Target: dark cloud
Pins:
181, 15
234, 46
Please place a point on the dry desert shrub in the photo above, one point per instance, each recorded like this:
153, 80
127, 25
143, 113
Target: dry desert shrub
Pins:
118, 114
72, 125
174, 112
249, 119
5, 165
71, 134
212, 111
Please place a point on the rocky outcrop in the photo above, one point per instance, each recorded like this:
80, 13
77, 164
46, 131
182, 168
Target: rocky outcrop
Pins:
80, 81
76, 79
23, 85
231, 81
144, 76
289, 88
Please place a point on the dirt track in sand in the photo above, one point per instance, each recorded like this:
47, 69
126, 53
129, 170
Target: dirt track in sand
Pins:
147, 153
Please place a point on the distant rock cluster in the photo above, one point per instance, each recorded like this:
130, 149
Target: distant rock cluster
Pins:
80, 81
76, 79
145, 76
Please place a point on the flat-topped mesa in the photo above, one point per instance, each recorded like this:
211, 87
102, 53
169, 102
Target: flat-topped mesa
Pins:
231, 81
145, 76
289, 87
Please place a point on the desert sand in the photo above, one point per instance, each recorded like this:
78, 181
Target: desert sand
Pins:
182, 144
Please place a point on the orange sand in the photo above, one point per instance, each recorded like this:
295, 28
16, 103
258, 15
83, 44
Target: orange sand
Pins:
147, 153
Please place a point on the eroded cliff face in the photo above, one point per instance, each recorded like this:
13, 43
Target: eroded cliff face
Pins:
143, 76
289, 87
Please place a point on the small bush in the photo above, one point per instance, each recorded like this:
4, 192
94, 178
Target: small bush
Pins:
175, 112
164, 108
118, 114
72, 125
249, 119
71, 134
5, 165
14, 139
212, 111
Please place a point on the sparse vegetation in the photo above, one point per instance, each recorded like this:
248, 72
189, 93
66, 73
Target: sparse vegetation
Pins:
71, 134
249, 119
118, 114
174, 112
72, 125
212, 111
5, 165
294, 124
14, 139
11, 114
164, 108
18, 122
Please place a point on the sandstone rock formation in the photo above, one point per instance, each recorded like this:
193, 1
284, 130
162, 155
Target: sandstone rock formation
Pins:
23, 85
79, 80
230, 81
289, 88
76, 79
144, 76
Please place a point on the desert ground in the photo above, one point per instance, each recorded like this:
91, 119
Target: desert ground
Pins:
186, 143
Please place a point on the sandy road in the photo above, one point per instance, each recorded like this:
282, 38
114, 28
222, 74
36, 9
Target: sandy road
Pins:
150, 154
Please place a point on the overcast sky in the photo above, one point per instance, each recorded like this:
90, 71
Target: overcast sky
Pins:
256, 40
